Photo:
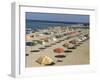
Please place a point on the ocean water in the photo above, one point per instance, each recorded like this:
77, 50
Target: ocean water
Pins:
33, 25
44, 24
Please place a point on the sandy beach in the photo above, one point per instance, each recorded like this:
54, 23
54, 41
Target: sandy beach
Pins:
78, 56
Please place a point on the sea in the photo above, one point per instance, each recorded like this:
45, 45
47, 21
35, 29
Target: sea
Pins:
37, 24
34, 24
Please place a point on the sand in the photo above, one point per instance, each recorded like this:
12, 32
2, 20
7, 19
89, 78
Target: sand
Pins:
78, 56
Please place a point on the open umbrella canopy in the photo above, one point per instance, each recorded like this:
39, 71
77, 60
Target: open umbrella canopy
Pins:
44, 60
69, 45
35, 42
29, 44
58, 50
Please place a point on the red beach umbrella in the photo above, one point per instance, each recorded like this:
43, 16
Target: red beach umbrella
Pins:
58, 50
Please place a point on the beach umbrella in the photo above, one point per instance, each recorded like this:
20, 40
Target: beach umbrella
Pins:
69, 45
72, 41
29, 44
35, 42
54, 39
59, 50
44, 60
60, 55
